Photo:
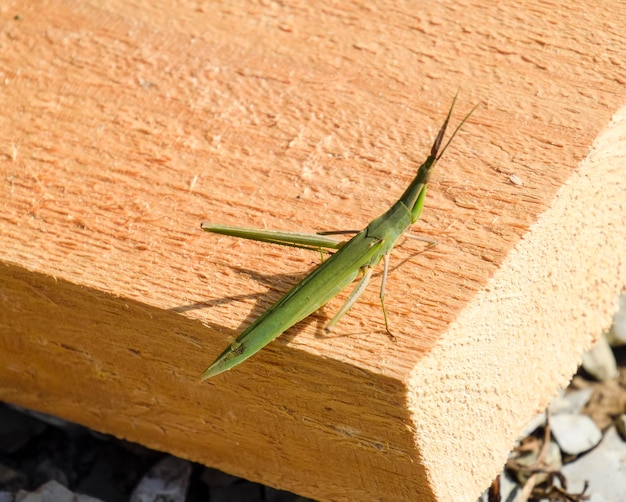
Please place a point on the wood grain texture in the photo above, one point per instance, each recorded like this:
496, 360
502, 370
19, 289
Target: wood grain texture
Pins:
126, 124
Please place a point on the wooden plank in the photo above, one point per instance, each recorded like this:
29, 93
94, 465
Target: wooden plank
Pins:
126, 124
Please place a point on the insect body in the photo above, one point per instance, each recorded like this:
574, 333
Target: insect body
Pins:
357, 256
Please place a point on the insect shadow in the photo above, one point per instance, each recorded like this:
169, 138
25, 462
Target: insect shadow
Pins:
278, 285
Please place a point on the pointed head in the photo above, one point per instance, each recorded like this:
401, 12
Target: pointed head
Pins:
413, 197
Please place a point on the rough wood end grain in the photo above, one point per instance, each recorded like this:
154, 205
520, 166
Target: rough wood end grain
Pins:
126, 125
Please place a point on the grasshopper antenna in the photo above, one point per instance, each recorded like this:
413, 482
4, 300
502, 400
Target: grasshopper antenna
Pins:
434, 151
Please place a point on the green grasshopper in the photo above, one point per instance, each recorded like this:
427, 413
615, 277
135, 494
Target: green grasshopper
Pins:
357, 256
